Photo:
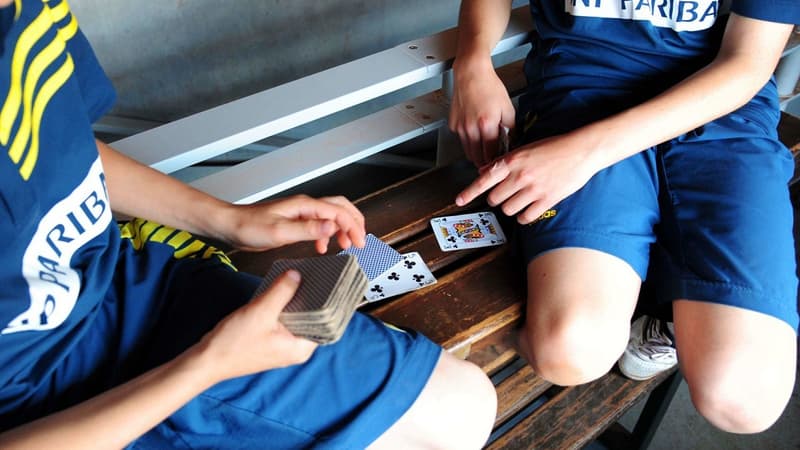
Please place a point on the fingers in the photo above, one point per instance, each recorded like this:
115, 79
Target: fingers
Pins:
288, 231
323, 218
470, 138
489, 133
490, 177
272, 301
348, 235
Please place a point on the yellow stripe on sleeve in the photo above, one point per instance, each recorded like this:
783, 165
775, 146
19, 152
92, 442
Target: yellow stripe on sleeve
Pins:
58, 13
68, 32
50, 87
26, 41
37, 67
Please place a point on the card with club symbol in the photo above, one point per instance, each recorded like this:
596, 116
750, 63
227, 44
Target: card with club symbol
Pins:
467, 231
410, 274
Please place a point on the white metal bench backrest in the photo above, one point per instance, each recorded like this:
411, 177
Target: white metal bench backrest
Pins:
210, 133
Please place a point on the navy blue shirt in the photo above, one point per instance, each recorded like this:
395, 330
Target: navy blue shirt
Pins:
630, 50
59, 240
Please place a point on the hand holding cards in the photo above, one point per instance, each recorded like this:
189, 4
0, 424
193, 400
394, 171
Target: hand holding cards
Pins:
467, 231
331, 289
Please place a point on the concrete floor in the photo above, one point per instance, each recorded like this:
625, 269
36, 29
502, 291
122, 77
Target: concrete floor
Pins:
683, 428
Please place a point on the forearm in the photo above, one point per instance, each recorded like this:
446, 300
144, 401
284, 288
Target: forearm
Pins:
118, 416
726, 84
137, 190
481, 24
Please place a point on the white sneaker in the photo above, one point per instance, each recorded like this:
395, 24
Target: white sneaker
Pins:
650, 350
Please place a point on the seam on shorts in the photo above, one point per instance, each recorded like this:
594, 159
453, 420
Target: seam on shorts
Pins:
269, 419
734, 286
615, 242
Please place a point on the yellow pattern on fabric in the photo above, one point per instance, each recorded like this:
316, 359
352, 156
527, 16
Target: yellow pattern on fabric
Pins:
29, 37
22, 93
49, 89
185, 245
35, 71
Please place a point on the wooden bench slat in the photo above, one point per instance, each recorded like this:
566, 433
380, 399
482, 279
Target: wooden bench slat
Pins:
590, 408
457, 311
518, 391
496, 350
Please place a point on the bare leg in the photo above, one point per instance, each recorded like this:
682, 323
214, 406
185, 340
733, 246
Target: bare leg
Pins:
739, 364
456, 409
580, 303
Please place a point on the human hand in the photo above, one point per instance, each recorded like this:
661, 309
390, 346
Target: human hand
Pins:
480, 106
251, 339
533, 178
262, 226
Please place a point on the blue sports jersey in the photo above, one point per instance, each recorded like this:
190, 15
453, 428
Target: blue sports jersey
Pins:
60, 244
626, 51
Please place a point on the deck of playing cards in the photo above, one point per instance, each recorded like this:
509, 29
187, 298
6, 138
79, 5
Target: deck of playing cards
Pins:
467, 231
330, 290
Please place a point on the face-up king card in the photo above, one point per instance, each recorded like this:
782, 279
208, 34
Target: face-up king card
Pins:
410, 274
467, 231
375, 257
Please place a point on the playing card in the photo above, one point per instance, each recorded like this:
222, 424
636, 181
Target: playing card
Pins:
467, 231
410, 274
375, 258
319, 277
331, 288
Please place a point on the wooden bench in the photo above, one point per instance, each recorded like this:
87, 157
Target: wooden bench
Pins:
477, 303
474, 308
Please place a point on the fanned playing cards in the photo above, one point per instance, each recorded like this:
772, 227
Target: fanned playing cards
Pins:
330, 290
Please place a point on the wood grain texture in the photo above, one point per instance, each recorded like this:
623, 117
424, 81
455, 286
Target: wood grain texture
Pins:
517, 391
577, 415
496, 350
465, 306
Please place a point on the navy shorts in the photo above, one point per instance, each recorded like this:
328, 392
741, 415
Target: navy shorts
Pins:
706, 216
170, 289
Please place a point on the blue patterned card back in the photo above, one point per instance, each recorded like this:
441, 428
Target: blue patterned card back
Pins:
375, 258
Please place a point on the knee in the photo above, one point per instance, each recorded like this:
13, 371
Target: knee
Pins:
467, 405
478, 403
571, 352
736, 405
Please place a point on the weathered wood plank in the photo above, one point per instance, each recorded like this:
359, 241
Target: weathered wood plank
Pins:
517, 391
578, 414
496, 350
465, 305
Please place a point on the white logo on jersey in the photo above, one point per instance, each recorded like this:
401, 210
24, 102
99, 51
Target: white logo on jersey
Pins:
54, 285
680, 15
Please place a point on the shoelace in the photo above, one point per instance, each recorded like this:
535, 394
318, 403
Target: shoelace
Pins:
655, 343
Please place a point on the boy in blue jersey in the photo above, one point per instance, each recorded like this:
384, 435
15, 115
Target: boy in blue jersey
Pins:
648, 152
141, 335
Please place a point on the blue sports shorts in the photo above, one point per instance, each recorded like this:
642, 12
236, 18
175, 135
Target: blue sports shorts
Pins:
170, 289
706, 216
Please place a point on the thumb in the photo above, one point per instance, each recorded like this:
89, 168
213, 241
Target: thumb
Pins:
271, 302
